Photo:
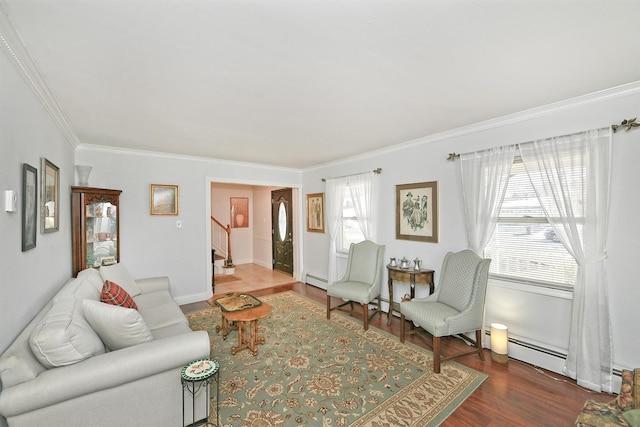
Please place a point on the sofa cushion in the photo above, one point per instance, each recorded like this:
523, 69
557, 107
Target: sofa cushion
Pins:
86, 286
117, 273
118, 327
159, 309
115, 295
63, 336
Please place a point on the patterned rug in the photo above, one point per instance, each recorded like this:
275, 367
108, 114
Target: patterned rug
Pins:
317, 372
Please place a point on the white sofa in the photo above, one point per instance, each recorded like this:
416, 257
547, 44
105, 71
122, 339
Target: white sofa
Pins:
59, 372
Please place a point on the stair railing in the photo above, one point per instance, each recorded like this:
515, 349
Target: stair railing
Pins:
219, 243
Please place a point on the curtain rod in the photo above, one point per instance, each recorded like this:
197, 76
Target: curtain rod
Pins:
628, 124
376, 170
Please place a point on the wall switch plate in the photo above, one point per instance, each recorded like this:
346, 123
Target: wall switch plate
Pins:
178, 224
10, 200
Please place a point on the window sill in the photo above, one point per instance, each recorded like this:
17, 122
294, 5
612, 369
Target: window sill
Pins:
533, 289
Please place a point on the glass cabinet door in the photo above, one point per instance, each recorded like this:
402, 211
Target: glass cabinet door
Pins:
94, 227
102, 234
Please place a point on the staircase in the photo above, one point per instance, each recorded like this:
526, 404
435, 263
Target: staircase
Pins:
221, 248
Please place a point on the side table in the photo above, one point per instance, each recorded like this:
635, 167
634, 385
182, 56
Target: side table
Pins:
407, 275
195, 376
247, 322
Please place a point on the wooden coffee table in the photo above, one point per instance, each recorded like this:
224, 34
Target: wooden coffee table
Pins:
246, 321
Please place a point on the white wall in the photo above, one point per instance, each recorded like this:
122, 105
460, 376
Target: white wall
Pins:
27, 133
541, 319
152, 245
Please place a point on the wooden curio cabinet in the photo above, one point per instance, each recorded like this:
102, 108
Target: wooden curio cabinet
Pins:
95, 214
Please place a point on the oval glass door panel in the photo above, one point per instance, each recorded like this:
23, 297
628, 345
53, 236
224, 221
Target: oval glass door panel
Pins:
282, 221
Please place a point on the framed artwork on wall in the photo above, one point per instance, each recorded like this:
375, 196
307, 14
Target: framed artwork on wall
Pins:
417, 211
163, 199
29, 206
49, 196
239, 212
315, 212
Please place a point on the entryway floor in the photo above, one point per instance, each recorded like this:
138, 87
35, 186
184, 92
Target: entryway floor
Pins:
251, 277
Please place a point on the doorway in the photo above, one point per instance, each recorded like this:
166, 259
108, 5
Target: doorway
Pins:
282, 230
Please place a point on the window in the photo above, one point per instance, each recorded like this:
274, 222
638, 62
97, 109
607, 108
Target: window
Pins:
350, 231
524, 247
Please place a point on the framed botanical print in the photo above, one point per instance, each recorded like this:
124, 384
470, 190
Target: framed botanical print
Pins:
417, 211
315, 212
29, 206
49, 196
163, 199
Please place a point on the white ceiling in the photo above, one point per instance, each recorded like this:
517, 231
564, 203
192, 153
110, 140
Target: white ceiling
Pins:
297, 83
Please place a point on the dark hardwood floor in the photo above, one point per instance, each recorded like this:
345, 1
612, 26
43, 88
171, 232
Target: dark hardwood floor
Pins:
515, 394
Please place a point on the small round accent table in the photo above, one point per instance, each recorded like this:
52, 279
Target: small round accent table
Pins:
195, 376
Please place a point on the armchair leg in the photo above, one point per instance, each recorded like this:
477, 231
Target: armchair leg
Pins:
436, 355
402, 322
365, 307
328, 307
479, 344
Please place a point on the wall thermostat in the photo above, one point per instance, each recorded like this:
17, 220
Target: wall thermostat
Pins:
10, 200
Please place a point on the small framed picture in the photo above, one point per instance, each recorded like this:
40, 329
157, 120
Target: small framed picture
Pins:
163, 199
49, 196
417, 211
29, 206
315, 212
239, 212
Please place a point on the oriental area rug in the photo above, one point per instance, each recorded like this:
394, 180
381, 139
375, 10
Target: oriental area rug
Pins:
317, 372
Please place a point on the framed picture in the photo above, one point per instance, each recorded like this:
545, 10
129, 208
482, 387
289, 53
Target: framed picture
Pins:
417, 211
239, 212
49, 196
164, 199
29, 206
315, 212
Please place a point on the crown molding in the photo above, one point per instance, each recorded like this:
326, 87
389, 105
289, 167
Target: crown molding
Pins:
13, 48
185, 157
616, 92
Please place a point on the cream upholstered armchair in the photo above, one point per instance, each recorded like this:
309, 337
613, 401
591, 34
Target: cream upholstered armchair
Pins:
456, 306
362, 282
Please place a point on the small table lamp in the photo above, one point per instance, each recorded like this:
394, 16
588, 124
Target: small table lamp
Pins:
499, 343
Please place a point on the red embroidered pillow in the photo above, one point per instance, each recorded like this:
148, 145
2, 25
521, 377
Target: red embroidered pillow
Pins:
115, 295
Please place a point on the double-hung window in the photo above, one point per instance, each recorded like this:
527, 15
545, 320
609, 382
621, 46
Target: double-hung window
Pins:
349, 229
524, 246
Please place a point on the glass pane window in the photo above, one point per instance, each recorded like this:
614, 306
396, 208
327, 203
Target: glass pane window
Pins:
350, 231
524, 246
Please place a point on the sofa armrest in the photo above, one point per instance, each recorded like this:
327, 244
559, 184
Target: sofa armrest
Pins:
105, 371
153, 284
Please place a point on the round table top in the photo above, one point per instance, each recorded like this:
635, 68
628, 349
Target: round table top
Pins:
248, 314
409, 269
200, 369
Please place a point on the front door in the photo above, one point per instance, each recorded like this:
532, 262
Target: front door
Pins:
282, 230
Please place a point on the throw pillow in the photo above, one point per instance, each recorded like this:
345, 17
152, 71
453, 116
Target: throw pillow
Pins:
118, 327
63, 336
632, 417
115, 295
118, 273
625, 398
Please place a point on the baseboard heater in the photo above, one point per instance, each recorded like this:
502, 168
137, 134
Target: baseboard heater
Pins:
316, 278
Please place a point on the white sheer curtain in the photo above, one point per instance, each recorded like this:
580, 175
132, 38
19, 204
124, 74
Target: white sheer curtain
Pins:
577, 209
334, 190
364, 193
485, 175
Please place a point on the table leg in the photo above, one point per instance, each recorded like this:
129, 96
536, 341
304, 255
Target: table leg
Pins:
390, 284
